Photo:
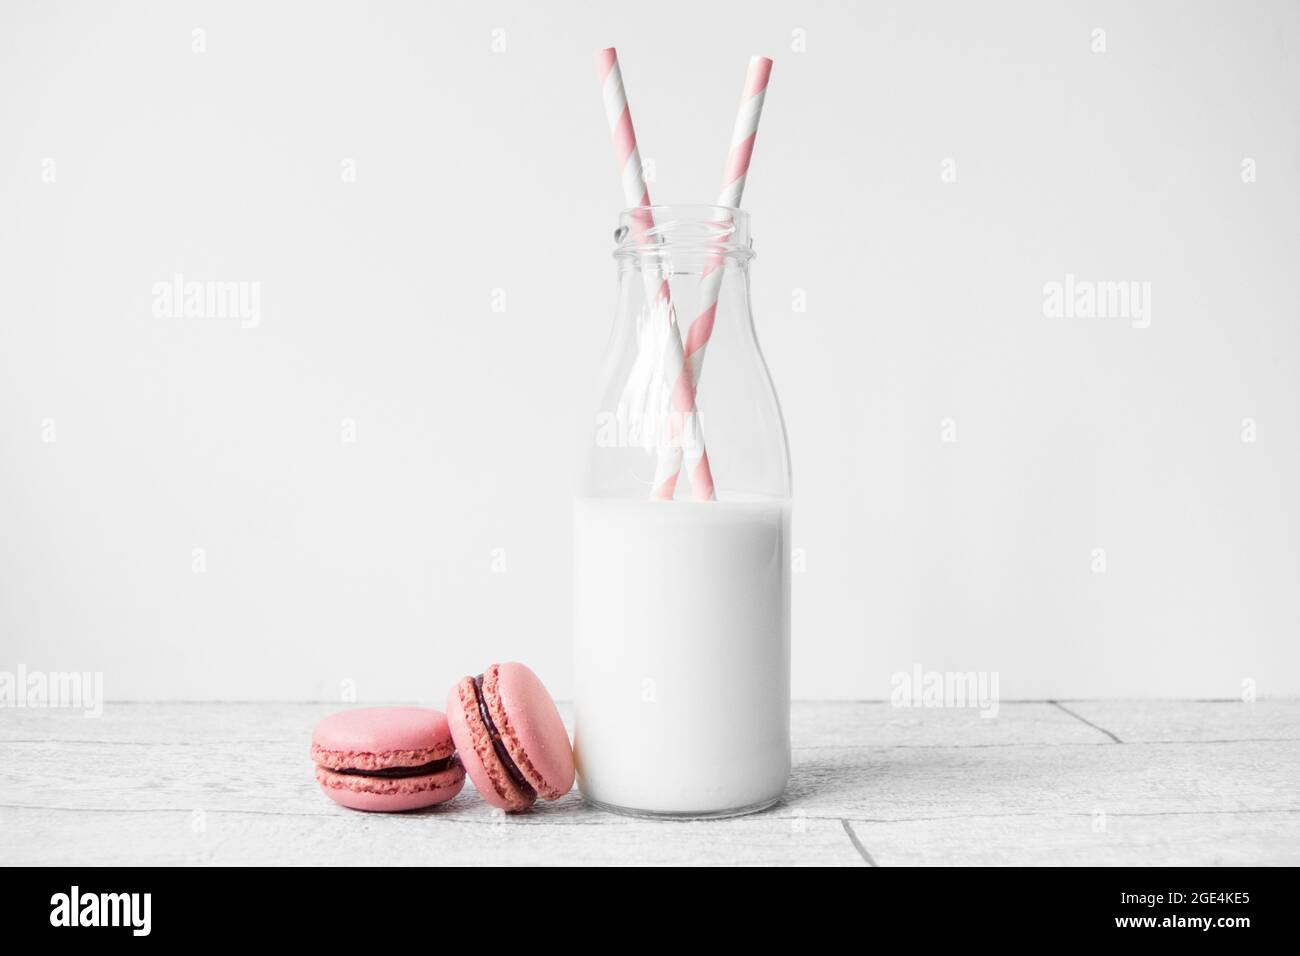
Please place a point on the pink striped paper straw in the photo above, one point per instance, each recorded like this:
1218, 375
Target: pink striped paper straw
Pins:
743, 135
685, 419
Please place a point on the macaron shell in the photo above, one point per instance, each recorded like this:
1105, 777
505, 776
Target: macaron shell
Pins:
389, 794
531, 727
374, 738
474, 747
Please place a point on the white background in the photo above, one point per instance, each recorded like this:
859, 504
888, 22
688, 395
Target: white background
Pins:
479, 169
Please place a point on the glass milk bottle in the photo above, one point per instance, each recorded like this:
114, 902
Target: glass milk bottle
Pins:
682, 590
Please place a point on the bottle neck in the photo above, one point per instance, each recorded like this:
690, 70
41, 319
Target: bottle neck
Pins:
679, 241
684, 297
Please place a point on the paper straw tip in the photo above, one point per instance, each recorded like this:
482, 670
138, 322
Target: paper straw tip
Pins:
605, 59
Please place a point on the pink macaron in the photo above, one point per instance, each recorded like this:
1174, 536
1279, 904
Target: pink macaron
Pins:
510, 737
386, 758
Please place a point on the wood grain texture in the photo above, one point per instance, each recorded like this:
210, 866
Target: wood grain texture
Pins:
217, 783
1149, 721
1211, 839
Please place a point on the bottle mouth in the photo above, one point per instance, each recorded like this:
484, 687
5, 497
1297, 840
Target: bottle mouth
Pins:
657, 231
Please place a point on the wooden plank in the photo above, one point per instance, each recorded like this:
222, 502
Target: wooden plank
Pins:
1136, 721
253, 756
1197, 839
876, 783
880, 724
192, 724
918, 784
434, 838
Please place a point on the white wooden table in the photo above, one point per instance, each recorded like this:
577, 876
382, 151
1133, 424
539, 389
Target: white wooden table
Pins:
1083, 782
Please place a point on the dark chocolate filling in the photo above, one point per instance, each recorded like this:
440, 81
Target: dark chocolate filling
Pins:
424, 769
502, 754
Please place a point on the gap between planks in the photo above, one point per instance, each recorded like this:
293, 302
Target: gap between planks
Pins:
857, 844
1059, 706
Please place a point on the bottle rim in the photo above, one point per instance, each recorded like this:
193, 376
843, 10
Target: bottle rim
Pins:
658, 230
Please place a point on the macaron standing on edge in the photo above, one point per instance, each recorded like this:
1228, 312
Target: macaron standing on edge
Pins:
510, 737
386, 758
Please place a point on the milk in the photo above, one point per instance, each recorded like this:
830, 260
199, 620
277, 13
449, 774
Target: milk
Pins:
682, 653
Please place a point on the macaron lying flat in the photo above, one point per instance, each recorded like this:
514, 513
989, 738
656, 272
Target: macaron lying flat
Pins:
510, 737
386, 758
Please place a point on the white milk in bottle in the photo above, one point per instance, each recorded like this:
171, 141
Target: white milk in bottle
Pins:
681, 599
682, 653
